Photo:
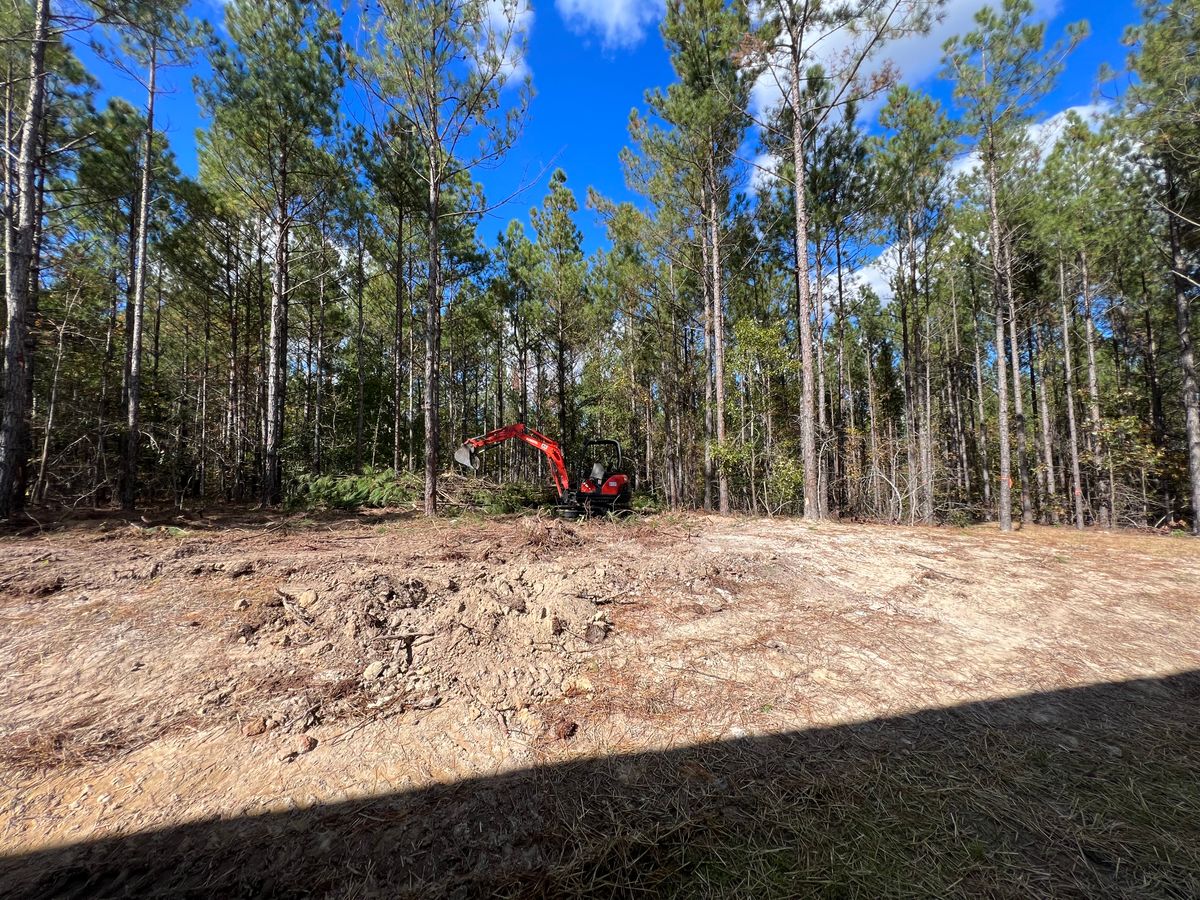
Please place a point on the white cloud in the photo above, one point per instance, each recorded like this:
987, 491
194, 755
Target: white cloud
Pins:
505, 30
620, 23
1043, 135
763, 171
916, 58
877, 274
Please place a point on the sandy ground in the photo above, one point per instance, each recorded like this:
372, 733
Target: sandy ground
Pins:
226, 668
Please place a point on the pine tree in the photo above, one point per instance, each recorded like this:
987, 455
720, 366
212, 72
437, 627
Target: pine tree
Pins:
999, 70
272, 100
1164, 113
441, 66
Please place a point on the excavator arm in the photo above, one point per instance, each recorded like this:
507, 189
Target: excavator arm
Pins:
467, 454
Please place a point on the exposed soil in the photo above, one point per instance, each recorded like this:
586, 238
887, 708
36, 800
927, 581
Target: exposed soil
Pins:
231, 668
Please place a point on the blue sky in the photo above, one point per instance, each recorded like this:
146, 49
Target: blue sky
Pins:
592, 61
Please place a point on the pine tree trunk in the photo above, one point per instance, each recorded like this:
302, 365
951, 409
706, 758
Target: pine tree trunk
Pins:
360, 397
39, 487
1018, 392
319, 392
718, 306
1096, 442
1050, 493
1187, 357
808, 441
1158, 419
706, 291
7, 211
276, 368
822, 433
397, 346
1004, 500
985, 470
1068, 374
432, 349
129, 474
18, 364
907, 296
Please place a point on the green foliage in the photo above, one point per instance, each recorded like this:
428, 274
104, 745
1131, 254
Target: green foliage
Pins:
371, 489
386, 488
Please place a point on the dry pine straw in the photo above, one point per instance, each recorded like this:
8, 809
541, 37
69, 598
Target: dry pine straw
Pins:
1086, 795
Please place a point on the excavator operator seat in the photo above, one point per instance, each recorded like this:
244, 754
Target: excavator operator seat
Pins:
598, 472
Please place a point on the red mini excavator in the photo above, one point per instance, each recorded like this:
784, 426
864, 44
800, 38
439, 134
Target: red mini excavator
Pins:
604, 489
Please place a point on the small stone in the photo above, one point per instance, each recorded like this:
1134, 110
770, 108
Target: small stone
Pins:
242, 604
596, 632
581, 684
306, 743
239, 567
516, 605
373, 671
306, 598
254, 727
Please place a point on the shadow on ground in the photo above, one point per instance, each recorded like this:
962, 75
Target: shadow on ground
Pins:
1092, 792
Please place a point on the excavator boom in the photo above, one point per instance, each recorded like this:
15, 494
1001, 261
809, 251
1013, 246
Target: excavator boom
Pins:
466, 455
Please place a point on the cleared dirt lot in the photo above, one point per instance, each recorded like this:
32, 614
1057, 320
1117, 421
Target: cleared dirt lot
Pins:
377, 705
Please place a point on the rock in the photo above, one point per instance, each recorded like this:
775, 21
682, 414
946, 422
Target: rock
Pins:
415, 593
254, 727
428, 702
306, 598
516, 604
215, 697
47, 586
578, 685
242, 604
306, 743
239, 568
317, 648
596, 632
373, 671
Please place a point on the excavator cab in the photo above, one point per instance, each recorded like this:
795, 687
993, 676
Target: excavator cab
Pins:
605, 487
605, 459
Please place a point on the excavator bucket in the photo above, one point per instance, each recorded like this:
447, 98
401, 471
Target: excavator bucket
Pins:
466, 456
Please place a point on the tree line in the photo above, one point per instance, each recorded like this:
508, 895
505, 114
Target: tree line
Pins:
834, 296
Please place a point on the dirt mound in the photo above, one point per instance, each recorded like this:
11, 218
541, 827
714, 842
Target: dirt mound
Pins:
497, 635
